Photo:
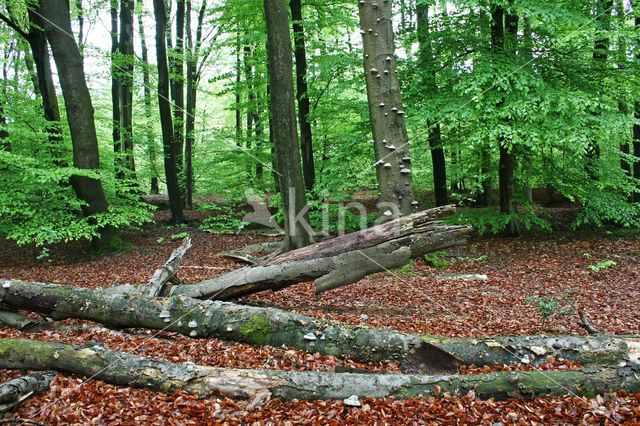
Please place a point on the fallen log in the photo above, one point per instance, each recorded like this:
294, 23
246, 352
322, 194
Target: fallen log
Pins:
16, 391
120, 368
338, 261
270, 326
168, 271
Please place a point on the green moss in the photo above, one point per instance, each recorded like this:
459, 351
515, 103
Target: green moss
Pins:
258, 329
586, 392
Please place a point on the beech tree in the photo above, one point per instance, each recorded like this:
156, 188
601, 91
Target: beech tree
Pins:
284, 129
430, 87
79, 110
170, 163
302, 95
386, 111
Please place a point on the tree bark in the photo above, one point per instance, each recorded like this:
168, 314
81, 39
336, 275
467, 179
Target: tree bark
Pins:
43, 80
123, 307
168, 271
176, 64
505, 45
302, 95
125, 369
126, 83
636, 126
386, 111
115, 93
146, 81
79, 111
339, 261
14, 392
285, 135
193, 78
170, 167
430, 89
600, 55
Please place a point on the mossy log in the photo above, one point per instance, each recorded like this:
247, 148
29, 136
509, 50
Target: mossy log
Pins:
124, 369
14, 392
338, 261
270, 326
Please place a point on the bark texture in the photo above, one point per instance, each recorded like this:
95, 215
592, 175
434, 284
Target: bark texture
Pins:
14, 392
285, 133
386, 111
120, 307
166, 122
121, 368
427, 64
302, 95
168, 271
79, 109
339, 261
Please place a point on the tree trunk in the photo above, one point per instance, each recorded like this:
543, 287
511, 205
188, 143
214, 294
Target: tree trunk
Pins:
170, 168
115, 93
122, 307
285, 135
79, 110
430, 89
193, 77
14, 392
40, 51
80, 11
600, 54
176, 64
339, 261
121, 368
146, 81
506, 168
126, 83
636, 125
386, 111
302, 95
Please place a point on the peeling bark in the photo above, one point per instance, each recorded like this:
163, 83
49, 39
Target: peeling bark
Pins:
121, 368
270, 326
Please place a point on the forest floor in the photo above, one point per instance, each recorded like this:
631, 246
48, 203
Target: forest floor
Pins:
412, 299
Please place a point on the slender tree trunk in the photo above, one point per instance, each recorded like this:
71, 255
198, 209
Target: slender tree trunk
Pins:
430, 89
171, 172
177, 85
507, 44
636, 114
5, 143
386, 111
126, 83
622, 103
302, 95
600, 55
80, 12
79, 110
285, 134
146, 81
193, 78
40, 51
115, 92
238, 110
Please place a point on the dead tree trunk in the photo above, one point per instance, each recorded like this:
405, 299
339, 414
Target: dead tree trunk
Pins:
270, 326
339, 261
14, 392
121, 368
